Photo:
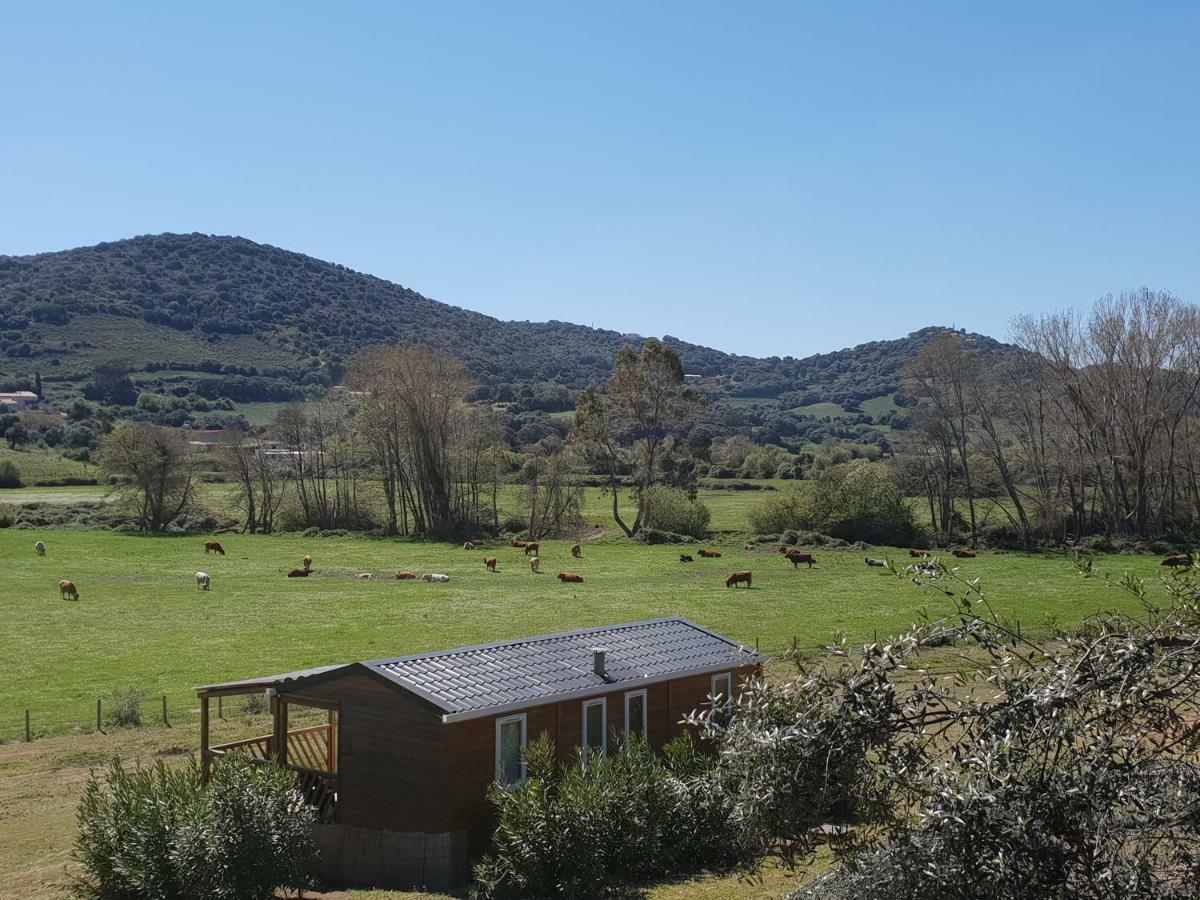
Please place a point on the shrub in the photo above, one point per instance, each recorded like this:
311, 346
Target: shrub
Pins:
670, 509
256, 704
634, 816
10, 475
160, 832
125, 709
8, 516
777, 513
654, 536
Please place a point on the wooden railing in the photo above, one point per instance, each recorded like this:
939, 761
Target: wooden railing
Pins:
307, 748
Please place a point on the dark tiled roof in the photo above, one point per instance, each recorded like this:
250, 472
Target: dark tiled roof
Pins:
541, 669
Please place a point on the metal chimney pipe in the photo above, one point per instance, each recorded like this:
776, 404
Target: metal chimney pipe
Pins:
598, 660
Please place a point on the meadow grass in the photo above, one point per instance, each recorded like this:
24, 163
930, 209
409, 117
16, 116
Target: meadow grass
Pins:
38, 466
142, 625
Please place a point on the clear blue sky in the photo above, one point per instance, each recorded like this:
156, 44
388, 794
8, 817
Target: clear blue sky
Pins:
764, 178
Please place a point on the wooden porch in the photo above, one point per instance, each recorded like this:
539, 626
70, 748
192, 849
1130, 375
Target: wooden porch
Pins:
310, 753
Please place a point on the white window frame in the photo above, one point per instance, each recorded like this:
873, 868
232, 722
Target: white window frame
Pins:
727, 695
500, 723
602, 702
645, 712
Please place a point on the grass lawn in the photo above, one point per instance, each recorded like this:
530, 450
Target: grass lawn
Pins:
142, 625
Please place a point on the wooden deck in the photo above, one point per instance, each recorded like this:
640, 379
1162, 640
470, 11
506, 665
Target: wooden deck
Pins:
311, 754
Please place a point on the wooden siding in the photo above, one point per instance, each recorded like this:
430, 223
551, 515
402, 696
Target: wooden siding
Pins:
392, 755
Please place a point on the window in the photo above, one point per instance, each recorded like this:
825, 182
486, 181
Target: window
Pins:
595, 729
510, 741
635, 714
722, 690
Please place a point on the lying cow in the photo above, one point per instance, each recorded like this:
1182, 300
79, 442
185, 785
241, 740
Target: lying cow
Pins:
435, 577
918, 554
963, 554
709, 554
683, 557
405, 576
570, 577
1179, 559
878, 563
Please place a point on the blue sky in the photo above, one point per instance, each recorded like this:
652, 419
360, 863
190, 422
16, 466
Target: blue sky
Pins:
764, 178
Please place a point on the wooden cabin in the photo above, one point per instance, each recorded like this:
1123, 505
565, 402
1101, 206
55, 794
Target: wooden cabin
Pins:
400, 771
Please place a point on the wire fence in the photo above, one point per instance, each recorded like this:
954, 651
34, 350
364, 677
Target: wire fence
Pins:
110, 712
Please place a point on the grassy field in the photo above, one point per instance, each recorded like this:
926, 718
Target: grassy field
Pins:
142, 625
38, 466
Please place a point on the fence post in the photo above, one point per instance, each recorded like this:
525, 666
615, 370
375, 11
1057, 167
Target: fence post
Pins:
220, 711
166, 721
98, 702
756, 643
28, 734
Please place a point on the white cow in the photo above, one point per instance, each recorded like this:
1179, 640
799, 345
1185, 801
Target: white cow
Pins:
365, 576
202, 581
434, 576
40, 548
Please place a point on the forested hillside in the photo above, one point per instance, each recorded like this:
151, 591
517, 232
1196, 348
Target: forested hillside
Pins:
271, 325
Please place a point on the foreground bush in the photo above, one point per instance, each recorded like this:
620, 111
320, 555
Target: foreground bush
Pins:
671, 510
160, 833
635, 816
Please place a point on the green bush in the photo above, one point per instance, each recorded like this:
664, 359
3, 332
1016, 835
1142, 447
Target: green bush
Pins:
857, 501
670, 509
629, 818
10, 475
125, 709
160, 832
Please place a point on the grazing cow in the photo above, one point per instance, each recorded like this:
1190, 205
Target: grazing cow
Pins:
518, 543
40, 548
299, 573
469, 545
365, 576
570, 577
405, 575
307, 562
918, 554
1179, 559
531, 547
796, 557
67, 590
577, 551
709, 554
879, 563
213, 547
202, 581
736, 578
535, 565
435, 577
490, 562
683, 557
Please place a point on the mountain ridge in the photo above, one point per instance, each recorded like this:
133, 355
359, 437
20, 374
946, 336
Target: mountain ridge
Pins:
259, 310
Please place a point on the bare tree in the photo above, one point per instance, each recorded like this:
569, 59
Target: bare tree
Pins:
153, 466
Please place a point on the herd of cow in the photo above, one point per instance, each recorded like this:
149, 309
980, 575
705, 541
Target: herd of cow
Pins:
532, 549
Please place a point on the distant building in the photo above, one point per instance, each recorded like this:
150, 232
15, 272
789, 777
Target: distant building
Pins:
692, 378
15, 400
206, 439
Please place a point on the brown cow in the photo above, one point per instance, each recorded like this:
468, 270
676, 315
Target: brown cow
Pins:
964, 554
709, 554
405, 576
518, 543
796, 557
67, 590
469, 545
299, 573
918, 554
570, 577
213, 547
1179, 559
531, 547
307, 562
735, 578
490, 562
683, 557
577, 551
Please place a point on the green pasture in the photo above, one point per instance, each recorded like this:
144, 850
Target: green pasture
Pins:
142, 625
39, 466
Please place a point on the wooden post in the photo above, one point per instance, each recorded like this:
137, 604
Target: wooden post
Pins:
166, 721
28, 734
331, 759
280, 709
98, 728
205, 761
220, 705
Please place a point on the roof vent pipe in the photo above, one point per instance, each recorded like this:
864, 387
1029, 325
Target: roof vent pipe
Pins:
598, 660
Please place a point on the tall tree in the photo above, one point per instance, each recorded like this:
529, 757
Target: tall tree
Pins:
153, 466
